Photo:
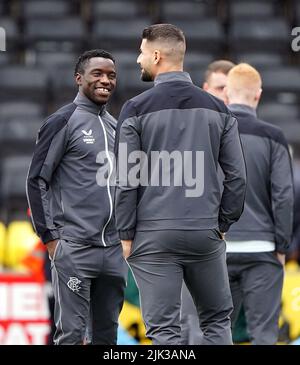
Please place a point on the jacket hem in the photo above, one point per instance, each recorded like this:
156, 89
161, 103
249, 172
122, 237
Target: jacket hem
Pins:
247, 235
92, 242
193, 224
49, 236
127, 235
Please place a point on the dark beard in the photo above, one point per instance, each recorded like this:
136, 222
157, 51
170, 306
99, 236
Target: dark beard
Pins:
146, 76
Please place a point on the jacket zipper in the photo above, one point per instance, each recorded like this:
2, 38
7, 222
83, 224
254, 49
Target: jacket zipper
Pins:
108, 179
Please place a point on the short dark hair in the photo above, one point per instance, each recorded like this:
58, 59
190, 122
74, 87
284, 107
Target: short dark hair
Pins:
223, 66
87, 55
167, 32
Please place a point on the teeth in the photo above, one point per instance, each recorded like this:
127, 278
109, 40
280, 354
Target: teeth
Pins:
103, 89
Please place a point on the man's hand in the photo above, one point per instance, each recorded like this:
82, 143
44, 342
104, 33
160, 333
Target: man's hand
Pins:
126, 245
280, 257
51, 246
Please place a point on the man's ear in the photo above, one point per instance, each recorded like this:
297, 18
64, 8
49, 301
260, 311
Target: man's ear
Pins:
78, 79
157, 56
258, 95
205, 86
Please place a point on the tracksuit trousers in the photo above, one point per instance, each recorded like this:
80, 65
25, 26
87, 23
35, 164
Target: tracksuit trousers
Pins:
160, 261
88, 283
256, 281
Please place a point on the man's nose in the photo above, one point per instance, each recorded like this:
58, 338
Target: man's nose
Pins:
104, 79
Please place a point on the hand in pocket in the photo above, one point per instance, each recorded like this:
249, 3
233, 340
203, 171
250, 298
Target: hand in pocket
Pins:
51, 247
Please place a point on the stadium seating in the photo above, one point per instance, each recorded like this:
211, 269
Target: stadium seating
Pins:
197, 59
261, 59
19, 132
19, 83
274, 111
63, 86
4, 58
205, 34
253, 9
47, 8
14, 171
124, 59
52, 61
2, 8
297, 4
281, 79
63, 34
12, 33
270, 34
20, 109
116, 35
130, 82
197, 75
195, 64
187, 10
115, 10
286, 116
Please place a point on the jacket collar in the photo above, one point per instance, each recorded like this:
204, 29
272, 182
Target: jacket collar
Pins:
172, 76
242, 108
86, 103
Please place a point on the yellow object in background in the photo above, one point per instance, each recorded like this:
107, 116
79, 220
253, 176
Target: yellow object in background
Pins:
20, 239
291, 298
2, 243
132, 321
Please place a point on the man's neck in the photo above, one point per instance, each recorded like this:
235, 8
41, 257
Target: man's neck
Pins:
83, 100
169, 68
242, 101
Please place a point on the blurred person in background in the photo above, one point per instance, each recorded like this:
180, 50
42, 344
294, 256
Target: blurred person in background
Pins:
293, 254
258, 242
215, 79
72, 209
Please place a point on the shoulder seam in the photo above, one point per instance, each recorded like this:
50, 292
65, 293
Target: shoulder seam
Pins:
283, 143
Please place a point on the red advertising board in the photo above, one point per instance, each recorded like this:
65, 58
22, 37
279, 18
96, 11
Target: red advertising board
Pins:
24, 313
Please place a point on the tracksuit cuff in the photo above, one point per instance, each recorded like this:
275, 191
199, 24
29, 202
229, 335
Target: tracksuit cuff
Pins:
49, 236
281, 249
127, 235
223, 227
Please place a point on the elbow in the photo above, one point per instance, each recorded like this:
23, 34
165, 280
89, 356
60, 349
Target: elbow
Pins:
243, 179
243, 189
240, 182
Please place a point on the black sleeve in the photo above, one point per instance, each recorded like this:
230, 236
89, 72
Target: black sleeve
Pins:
282, 193
49, 149
231, 160
128, 140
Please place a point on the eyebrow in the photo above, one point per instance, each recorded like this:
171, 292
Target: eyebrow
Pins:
101, 70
